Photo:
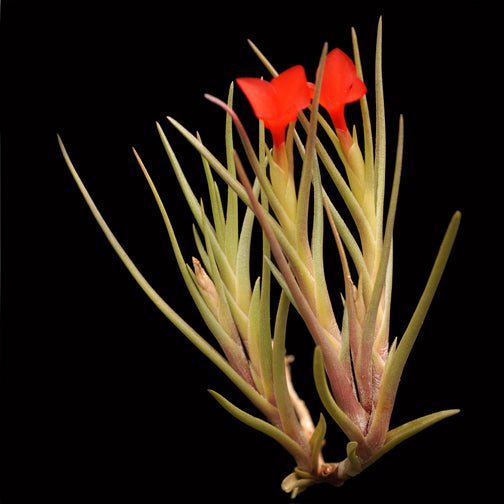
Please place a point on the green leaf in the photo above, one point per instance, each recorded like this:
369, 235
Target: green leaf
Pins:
309, 162
344, 190
302, 303
260, 350
281, 281
200, 343
409, 429
254, 162
212, 323
220, 323
409, 337
354, 460
184, 184
381, 343
263, 59
203, 254
364, 369
323, 302
240, 318
351, 245
396, 362
220, 266
261, 425
242, 268
196, 209
366, 120
289, 250
317, 240
276, 237
297, 482
220, 282
215, 204
216, 165
317, 440
232, 198
290, 423
265, 337
350, 332
380, 149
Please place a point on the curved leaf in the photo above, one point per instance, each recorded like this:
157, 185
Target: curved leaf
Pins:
262, 426
200, 343
409, 429
396, 362
317, 440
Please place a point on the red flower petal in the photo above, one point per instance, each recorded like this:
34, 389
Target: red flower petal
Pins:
278, 102
357, 90
261, 95
340, 85
293, 93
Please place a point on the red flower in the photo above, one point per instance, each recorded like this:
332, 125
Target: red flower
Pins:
277, 103
340, 85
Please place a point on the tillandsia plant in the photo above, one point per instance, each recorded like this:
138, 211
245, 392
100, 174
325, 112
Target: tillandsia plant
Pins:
356, 368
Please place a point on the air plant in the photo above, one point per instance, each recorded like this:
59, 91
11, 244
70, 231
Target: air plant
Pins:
356, 368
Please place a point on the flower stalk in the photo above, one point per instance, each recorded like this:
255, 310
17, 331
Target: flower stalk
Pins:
356, 368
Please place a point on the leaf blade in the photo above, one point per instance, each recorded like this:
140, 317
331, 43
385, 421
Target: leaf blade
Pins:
260, 425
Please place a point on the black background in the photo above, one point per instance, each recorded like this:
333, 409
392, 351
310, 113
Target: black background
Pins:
102, 399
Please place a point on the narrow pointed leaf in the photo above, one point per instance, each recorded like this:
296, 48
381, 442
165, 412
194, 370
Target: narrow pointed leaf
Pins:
265, 342
409, 429
215, 328
189, 195
340, 383
281, 281
225, 333
200, 343
254, 162
381, 342
309, 162
284, 404
221, 281
317, 440
195, 207
231, 240
364, 363
351, 202
215, 204
203, 254
232, 351
323, 301
216, 165
240, 318
263, 59
351, 245
260, 425
242, 268
380, 149
409, 337
333, 137
396, 362
350, 338
366, 120
254, 327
